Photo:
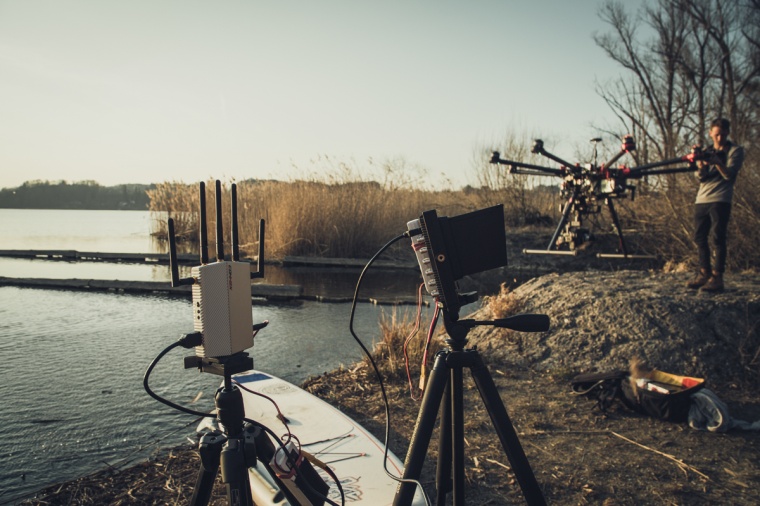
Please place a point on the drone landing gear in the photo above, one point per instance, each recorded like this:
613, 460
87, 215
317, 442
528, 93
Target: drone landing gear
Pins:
623, 249
577, 237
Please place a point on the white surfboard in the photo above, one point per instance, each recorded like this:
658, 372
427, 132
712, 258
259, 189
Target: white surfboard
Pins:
354, 455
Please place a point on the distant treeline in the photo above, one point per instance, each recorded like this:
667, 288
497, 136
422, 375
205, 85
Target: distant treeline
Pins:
75, 195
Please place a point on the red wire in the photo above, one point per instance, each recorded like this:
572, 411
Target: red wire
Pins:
280, 416
409, 338
433, 323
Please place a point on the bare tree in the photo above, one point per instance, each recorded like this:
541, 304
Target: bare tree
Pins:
652, 99
732, 43
686, 62
524, 202
701, 60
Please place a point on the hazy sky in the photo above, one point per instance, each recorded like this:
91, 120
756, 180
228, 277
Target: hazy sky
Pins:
155, 90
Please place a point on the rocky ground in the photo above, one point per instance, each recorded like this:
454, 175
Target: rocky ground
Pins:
579, 455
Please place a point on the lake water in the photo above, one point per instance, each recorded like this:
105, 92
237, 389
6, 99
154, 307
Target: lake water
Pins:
73, 362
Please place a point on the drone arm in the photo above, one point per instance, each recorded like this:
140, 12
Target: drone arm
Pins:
534, 170
628, 145
531, 171
539, 148
615, 158
663, 163
638, 172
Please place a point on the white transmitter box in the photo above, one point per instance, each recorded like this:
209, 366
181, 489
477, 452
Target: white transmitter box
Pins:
222, 308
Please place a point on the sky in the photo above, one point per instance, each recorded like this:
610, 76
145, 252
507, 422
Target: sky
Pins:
146, 91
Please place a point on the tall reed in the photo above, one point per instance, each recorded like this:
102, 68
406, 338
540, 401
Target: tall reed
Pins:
306, 218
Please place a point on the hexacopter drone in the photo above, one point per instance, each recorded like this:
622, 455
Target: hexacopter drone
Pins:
586, 187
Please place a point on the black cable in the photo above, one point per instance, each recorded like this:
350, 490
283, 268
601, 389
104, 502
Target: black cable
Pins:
187, 341
377, 371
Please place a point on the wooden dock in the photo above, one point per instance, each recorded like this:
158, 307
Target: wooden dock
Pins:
351, 263
258, 290
192, 259
267, 291
96, 256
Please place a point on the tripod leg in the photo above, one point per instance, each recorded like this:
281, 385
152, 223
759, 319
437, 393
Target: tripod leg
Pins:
209, 448
443, 472
616, 222
423, 430
235, 473
457, 454
505, 430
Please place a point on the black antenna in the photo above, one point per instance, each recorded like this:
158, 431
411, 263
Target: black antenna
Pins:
204, 230
235, 239
260, 260
173, 259
219, 228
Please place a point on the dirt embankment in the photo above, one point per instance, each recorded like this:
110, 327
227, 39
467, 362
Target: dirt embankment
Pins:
578, 455
600, 320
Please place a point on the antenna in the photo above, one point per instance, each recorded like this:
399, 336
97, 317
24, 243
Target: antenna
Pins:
260, 260
219, 228
234, 232
204, 230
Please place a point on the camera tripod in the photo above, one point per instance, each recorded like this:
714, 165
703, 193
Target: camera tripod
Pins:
241, 444
445, 384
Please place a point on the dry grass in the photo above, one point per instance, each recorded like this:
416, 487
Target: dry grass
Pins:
168, 478
503, 304
351, 220
403, 350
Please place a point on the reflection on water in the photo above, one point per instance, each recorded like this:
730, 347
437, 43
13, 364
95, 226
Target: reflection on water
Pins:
58, 269
107, 231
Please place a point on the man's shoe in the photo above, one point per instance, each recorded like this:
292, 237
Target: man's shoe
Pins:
702, 278
714, 284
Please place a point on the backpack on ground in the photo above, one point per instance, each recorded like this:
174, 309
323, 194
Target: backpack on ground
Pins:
656, 393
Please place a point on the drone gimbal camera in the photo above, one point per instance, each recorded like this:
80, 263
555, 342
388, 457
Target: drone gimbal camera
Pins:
587, 187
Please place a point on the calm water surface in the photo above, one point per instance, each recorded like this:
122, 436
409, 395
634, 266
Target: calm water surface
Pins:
111, 231
73, 362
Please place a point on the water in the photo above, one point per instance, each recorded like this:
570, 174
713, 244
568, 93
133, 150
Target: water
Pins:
129, 232
73, 362
111, 231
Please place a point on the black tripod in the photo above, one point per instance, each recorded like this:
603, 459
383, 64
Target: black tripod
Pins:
234, 449
241, 444
445, 383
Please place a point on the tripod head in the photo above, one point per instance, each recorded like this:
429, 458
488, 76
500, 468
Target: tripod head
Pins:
458, 330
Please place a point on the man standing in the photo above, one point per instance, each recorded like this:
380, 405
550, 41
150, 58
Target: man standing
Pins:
713, 205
